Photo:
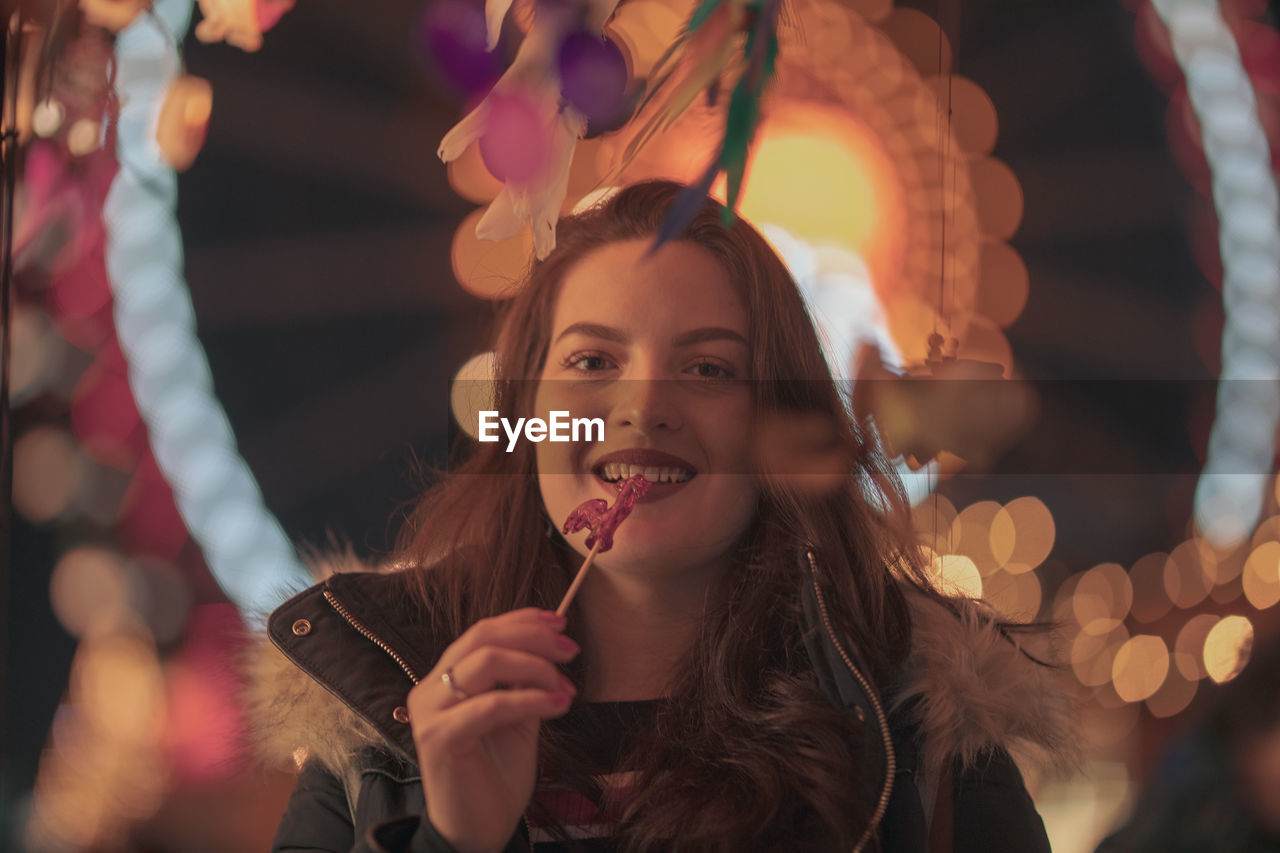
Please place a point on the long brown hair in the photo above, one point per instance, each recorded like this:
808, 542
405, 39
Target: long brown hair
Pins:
750, 754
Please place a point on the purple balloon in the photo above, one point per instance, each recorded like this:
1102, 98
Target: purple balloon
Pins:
452, 36
593, 75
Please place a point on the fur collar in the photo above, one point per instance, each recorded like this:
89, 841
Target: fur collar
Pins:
973, 688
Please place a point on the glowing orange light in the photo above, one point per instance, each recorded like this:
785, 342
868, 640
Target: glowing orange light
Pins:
826, 178
1227, 648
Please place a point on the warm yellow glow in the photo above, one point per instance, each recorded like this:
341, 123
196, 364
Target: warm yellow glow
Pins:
46, 473
1092, 655
933, 519
487, 269
826, 178
473, 391
1188, 649
1016, 596
971, 535
1022, 534
1102, 598
89, 591
1227, 648
1262, 576
955, 574
1188, 574
1140, 667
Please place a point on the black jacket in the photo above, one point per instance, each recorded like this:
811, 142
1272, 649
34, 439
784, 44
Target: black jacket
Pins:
329, 689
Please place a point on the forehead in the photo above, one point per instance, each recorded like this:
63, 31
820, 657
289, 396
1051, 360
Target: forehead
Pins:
681, 286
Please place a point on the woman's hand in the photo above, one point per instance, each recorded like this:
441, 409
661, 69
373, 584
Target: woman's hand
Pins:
478, 745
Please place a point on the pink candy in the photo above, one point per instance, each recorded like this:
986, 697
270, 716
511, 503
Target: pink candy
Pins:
601, 519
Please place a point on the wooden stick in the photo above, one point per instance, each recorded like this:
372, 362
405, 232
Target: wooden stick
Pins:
577, 580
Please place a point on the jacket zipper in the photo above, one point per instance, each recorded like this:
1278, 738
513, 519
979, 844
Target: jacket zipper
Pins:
369, 635
890, 760
395, 656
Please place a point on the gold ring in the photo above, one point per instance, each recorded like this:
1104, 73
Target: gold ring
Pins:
448, 679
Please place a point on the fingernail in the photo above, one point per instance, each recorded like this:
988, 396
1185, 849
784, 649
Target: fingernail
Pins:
567, 686
565, 644
553, 617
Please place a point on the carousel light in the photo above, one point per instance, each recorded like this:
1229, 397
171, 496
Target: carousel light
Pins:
1229, 495
247, 552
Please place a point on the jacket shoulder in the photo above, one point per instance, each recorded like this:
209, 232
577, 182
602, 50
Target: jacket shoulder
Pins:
971, 688
321, 681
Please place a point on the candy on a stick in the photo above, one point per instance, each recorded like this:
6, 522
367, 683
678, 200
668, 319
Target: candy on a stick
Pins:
602, 520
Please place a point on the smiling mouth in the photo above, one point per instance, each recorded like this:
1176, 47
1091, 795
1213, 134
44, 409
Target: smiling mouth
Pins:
655, 466
616, 472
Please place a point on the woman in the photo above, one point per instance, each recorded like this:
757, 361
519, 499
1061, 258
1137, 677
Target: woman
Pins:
759, 662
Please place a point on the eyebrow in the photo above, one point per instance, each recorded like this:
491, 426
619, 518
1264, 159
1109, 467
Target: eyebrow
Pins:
693, 336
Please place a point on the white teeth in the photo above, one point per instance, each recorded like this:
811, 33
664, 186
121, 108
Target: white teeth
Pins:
615, 471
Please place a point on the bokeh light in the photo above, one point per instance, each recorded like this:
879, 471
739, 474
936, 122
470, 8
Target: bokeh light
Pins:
1227, 648
473, 391
1093, 655
1022, 534
971, 535
1188, 649
1174, 695
47, 473
1102, 598
1140, 667
91, 591
490, 270
1016, 596
1188, 573
1261, 577
955, 574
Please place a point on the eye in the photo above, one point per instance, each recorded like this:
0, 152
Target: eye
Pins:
588, 362
710, 370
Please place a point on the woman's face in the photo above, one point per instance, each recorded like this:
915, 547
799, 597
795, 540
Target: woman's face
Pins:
656, 347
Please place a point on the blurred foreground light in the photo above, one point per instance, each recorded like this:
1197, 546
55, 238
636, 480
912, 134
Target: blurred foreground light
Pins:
47, 473
1140, 667
183, 122
112, 15
1188, 573
1016, 596
91, 591
1022, 534
487, 269
971, 535
1102, 598
452, 36
47, 117
1092, 655
955, 574
1228, 499
36, 354
1188, 649
1228, 647
84, 136
1262, 576
155, 319
473, 391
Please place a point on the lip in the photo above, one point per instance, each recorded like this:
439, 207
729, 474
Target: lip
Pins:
649, 458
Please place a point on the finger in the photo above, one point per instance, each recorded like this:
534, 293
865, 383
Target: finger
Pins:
456, 729
488, 667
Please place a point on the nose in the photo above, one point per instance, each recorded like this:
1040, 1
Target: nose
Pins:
648, 405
